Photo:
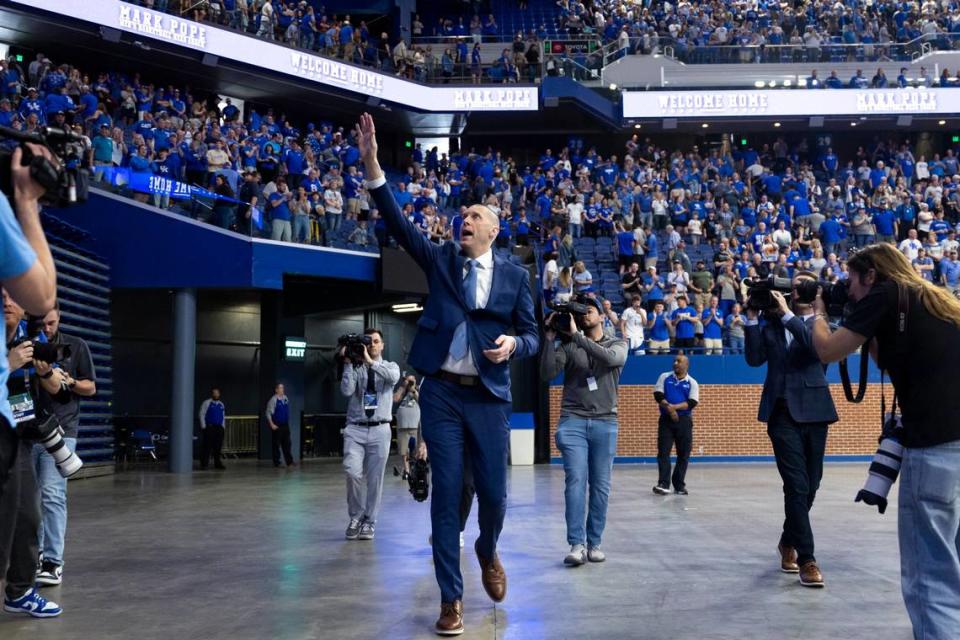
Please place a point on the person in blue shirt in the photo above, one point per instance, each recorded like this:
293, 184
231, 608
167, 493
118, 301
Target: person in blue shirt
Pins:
625, 247
830, 234
659, 330
280, 213
950, 272
834, 82
605, 219
591, 219
28, 278
902, 78
652, 253
677, 394
885, 222
212, 422
682, 320
712, 320
940, 226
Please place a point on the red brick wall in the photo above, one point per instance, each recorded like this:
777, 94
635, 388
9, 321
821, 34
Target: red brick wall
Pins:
725, 422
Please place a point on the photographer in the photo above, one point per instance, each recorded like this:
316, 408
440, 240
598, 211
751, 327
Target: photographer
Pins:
797, 407
28, 277
407, 397
75, 372
368, 382
587, 432
916, 339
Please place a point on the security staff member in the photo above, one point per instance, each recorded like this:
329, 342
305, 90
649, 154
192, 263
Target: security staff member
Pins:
587, 432
797, 407
213, 418
366, 438
677, 393
278, 417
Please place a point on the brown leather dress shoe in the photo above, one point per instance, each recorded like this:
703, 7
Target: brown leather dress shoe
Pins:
450, 622
810, 575
493, 576
788, 559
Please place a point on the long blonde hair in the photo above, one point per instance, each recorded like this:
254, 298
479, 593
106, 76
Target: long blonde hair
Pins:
891, 264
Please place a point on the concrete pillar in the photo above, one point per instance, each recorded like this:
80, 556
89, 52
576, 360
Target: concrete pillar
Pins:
184, 365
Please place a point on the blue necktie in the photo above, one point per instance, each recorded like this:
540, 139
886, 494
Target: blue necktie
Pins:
459, 344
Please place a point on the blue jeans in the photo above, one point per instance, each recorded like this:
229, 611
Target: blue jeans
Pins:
575, 230
333, 221
53, 496
929, 530
735, 344
588, 447
301, 227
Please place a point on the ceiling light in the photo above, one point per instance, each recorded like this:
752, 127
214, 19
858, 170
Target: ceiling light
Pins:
759, 84
776, 124
853, 124
772, 84
787, 83
704, 125
613, 86
802, 82
636, 126
407, 308
942, 122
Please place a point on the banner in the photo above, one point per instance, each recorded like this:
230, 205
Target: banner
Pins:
163, 186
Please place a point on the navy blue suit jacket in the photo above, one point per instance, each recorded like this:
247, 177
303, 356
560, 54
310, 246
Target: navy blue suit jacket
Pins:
794, 373
509, 308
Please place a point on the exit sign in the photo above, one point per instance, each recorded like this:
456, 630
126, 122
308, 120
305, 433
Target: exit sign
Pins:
294, 348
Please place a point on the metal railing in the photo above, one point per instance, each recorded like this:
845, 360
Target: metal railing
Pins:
241, 435
823, 52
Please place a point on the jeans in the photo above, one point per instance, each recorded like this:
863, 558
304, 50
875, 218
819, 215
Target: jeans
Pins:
365, 453
301, 227
53, 502
929, 532
575, 230
281, 230
669, 432
333, 222
735, 344
588, 447
798, 448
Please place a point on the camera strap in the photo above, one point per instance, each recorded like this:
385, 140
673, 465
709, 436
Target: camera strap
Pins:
903, 307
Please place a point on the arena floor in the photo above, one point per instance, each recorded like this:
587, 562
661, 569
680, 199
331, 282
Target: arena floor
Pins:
259, 553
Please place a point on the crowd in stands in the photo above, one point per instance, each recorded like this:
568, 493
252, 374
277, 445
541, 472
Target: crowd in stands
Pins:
675, 229
308, 26
879, 80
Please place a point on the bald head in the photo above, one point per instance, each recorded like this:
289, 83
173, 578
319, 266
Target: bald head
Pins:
480, 228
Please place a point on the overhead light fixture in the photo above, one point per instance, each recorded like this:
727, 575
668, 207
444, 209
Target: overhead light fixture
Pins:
759, 84
772, 84
613, 86
636, 126
704, 125
787, 83
853, 124
942, 122
776, 124
802, 82
407, 308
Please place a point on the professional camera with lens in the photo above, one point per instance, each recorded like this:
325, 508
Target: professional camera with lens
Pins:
834, 294
38, 425
355, 344
63, 185
563, 312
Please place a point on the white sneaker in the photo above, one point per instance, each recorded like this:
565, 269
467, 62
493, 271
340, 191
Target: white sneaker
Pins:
595, 555
576, 557
50, 575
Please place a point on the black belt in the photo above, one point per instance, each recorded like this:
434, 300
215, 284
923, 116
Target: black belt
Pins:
370, 423
456, 378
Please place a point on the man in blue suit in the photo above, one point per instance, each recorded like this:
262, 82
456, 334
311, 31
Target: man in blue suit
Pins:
797, 407
462, 347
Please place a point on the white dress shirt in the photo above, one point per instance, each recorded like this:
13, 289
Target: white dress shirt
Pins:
466, 366
787, 317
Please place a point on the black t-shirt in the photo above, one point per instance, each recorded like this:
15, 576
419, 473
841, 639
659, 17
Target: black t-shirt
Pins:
628, 278
80, 367
921, 362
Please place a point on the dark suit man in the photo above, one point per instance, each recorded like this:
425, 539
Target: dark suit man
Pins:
462, 348
797, 407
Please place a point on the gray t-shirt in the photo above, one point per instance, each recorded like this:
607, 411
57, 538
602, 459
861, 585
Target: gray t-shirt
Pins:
591, 374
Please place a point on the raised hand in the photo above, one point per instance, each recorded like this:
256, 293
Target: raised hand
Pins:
367, 141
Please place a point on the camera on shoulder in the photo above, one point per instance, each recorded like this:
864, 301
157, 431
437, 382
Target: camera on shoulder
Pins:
355, 344
63, 185
563, 312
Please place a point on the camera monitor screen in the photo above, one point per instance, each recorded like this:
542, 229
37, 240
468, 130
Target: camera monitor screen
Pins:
400, 274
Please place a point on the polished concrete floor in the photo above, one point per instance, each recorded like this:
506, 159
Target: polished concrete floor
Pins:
259, 553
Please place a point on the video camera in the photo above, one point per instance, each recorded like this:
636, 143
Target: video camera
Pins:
355, 344
562, 313
63, 186
419, 476
42, 350
834, 294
